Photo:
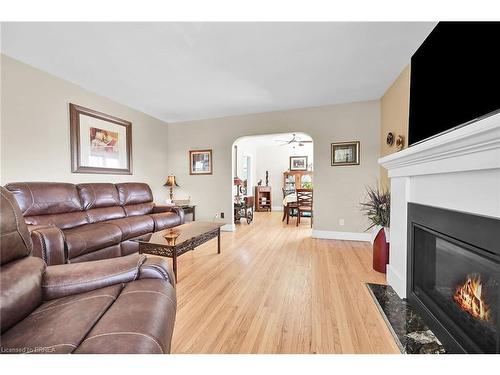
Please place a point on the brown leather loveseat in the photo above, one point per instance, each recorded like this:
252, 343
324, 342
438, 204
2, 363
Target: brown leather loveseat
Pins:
124, 305
76, 223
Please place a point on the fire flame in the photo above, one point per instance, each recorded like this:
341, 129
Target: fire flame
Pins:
469, 297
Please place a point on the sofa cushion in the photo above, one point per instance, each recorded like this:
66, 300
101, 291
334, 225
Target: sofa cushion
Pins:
113, 251
44, 198
164, 220
139, 209
133, 226
140, 321
132, 246
87, 238
21, 282
134, 193
96, 215
63, 221
60, 325
98, 195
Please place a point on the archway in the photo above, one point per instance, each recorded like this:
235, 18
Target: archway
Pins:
254, 155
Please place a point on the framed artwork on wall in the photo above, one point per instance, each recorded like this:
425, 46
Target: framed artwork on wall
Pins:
100, 143
200, 162
345, 153
298, 163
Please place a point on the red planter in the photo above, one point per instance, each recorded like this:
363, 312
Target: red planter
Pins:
380, 252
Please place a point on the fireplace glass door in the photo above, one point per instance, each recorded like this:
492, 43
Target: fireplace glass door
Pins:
459, 284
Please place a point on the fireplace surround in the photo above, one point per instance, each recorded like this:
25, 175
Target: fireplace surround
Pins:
454, 276
458, 170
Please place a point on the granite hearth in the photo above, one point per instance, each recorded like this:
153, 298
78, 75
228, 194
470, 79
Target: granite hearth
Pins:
412, 335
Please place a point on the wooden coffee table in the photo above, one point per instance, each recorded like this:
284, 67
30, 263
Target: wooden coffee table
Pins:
174, 242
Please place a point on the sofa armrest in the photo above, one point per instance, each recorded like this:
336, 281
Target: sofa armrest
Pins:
67, 279
177, 210
156, 267
48, 243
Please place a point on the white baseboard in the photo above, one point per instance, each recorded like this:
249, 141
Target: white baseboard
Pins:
396, 280
277, 208
333, 235
228, 228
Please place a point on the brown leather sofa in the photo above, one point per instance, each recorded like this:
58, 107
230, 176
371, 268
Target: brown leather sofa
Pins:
76, 223
124, 305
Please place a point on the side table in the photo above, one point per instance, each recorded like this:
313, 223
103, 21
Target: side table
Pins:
189, 209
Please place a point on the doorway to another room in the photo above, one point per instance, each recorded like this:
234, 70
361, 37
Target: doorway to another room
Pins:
273, 175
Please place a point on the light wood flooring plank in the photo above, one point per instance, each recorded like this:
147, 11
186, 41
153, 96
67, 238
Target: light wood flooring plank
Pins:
274, 289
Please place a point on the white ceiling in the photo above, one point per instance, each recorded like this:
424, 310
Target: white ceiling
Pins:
186, 71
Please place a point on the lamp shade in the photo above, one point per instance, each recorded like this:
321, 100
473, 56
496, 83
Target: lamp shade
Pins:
238, 181
171, 181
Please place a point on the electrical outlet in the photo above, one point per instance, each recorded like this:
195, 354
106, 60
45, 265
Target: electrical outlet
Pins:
222, 215
341, 222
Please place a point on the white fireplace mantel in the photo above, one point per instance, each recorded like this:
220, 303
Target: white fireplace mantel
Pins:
458, 170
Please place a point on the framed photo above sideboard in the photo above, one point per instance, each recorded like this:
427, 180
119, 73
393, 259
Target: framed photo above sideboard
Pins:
200, 162
298, 163
100, 143
345, 153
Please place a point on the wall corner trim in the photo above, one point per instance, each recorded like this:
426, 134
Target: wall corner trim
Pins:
397, 281
334, 235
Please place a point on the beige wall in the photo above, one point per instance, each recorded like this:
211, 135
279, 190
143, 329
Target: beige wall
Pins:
338, 190
35, 145
35, 131
394, 112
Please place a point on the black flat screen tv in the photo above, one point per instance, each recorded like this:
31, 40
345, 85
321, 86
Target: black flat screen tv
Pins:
455, 78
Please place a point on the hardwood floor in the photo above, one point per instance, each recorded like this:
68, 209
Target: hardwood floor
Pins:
273, 289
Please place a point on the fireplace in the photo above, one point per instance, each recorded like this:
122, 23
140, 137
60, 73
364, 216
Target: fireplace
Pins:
454, 276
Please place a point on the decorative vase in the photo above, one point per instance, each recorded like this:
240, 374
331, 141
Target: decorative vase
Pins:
171, 236
381, 250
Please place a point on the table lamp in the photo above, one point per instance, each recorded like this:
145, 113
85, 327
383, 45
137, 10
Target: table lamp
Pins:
171, 183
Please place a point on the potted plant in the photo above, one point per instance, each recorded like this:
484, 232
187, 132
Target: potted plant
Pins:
377, 209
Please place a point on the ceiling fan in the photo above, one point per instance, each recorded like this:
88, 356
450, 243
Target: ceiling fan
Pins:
295, 140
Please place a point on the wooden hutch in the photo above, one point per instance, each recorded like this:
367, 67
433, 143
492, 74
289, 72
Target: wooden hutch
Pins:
297, 180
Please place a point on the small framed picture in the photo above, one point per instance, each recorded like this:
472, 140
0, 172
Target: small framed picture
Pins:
100, 143
298, 163
345, 153
200, 162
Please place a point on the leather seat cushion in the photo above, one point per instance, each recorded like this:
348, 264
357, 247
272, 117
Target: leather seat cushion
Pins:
21, 293
165, 220
140, 321
132, 246
60, 325
91, 237
133, 226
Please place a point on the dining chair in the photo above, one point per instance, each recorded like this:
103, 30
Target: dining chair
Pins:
304, 203
290, 208
284, 206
